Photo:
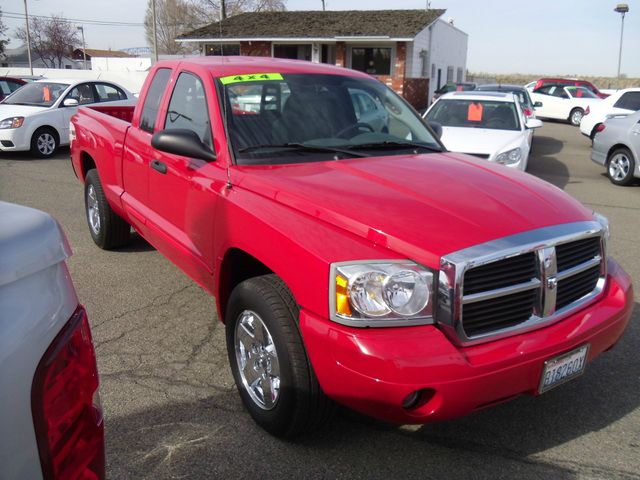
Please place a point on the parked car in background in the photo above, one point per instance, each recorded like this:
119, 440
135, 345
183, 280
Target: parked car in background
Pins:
488, 125
36, 117
568, 82
453, 87
564, 103
621, 102
8, 85
521, 93
617, 146
50, 412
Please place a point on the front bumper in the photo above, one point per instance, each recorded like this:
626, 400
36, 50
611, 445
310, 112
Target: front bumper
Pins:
374, 370
17, 137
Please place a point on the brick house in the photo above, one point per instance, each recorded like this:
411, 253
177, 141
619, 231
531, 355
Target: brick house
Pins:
407, 49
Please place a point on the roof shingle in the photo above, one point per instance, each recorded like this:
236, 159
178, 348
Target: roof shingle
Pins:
319, 24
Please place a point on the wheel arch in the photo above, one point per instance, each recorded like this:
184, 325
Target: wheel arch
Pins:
86, 163
616, 147
47, 127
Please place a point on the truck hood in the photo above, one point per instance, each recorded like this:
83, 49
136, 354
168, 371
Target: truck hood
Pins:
479, 140
419, 206
7, 111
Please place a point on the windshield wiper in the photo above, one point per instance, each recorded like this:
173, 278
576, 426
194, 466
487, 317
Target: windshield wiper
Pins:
393, 144
301, 146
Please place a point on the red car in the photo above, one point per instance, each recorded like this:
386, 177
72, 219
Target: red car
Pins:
8, 85
351, 259
543, 82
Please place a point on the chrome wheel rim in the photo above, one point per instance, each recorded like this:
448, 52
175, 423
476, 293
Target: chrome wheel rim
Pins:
576, 118
46, 143
257, 360
619, 166
93, 210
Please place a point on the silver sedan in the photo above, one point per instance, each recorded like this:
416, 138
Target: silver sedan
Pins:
617, 147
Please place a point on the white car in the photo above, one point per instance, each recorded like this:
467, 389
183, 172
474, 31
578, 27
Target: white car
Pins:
50, 413
564, 103
488, 125
622, 102
36, 116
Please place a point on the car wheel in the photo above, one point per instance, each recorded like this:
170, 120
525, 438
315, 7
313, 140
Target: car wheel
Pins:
44, 142
107, 228
575, 117
620, 167
268, 360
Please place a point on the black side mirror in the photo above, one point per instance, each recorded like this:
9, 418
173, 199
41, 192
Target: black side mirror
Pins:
537, 104
436, 127
183, 142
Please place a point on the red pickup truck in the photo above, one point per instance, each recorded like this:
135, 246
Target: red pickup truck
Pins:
352, 258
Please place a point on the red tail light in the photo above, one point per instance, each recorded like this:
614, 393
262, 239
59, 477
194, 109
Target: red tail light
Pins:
527, 112
600, 127
66, 406
587, 111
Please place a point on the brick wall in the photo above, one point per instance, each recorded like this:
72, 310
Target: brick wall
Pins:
255, 49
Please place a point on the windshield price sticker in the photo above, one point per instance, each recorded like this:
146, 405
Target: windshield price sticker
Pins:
250, 77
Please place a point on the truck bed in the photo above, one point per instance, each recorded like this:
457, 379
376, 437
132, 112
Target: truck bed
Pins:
122, 112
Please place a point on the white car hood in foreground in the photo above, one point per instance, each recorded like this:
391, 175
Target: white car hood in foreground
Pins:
479, 140
8, 111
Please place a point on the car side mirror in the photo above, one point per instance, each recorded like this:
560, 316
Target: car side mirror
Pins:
537, 104
436, 127
70, 102
533, 123
183, 142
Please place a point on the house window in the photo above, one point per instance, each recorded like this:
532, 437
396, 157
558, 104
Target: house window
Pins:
294, 52
449, 74
459, 75
222, 49
375, 61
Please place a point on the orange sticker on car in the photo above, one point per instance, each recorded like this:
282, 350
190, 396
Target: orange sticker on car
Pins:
46, 94
474, 112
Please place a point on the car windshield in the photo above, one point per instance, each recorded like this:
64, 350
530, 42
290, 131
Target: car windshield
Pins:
520, 93
40, 94
291, 118
580, 92
489, 114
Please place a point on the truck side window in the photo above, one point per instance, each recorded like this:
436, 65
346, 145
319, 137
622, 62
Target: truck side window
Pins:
153, 98
188, 108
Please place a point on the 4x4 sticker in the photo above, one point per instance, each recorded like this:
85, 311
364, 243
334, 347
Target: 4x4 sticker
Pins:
250, 77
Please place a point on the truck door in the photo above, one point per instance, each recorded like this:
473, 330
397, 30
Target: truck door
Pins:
184, 192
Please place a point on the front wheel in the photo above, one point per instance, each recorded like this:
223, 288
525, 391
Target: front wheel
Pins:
268, 360
107, 229
44, 142
575, 117
620, 167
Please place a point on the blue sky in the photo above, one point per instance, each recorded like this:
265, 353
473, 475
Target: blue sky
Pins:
568, 37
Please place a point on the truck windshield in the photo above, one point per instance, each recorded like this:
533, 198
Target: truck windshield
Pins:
39, 94
290, 118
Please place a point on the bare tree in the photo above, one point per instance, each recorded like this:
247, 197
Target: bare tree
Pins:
213, 10
173, 17
3, 36
52, 39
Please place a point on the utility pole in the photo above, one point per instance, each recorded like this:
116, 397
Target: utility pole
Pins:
84, 47
26, 19
223, 9
323, 9
155, 33
623, 9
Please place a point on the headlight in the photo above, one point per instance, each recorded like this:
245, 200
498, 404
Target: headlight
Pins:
604, 222
510, 156
383, 294
12, 122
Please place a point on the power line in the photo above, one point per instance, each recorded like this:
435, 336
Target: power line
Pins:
21, 16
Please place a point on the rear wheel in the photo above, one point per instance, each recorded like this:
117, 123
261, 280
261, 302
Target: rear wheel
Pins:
107, 229
44, 142
575, 117
620, 167
273, 374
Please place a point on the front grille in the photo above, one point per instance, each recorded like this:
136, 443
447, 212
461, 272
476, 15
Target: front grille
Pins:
528, 287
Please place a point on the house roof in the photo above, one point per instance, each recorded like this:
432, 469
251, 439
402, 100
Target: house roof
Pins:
94, 52
318, 24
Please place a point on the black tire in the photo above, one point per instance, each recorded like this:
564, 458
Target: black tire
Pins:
575, 117
108, 230
45, 142
620, 167
300, 404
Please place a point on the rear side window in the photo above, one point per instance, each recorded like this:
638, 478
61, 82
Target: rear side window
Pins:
188, 108
629, 101
109, 93
153, 98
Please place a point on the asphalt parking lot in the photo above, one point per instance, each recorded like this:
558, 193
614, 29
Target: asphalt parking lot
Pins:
172, 410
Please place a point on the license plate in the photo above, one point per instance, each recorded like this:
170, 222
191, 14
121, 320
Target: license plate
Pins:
563, 368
